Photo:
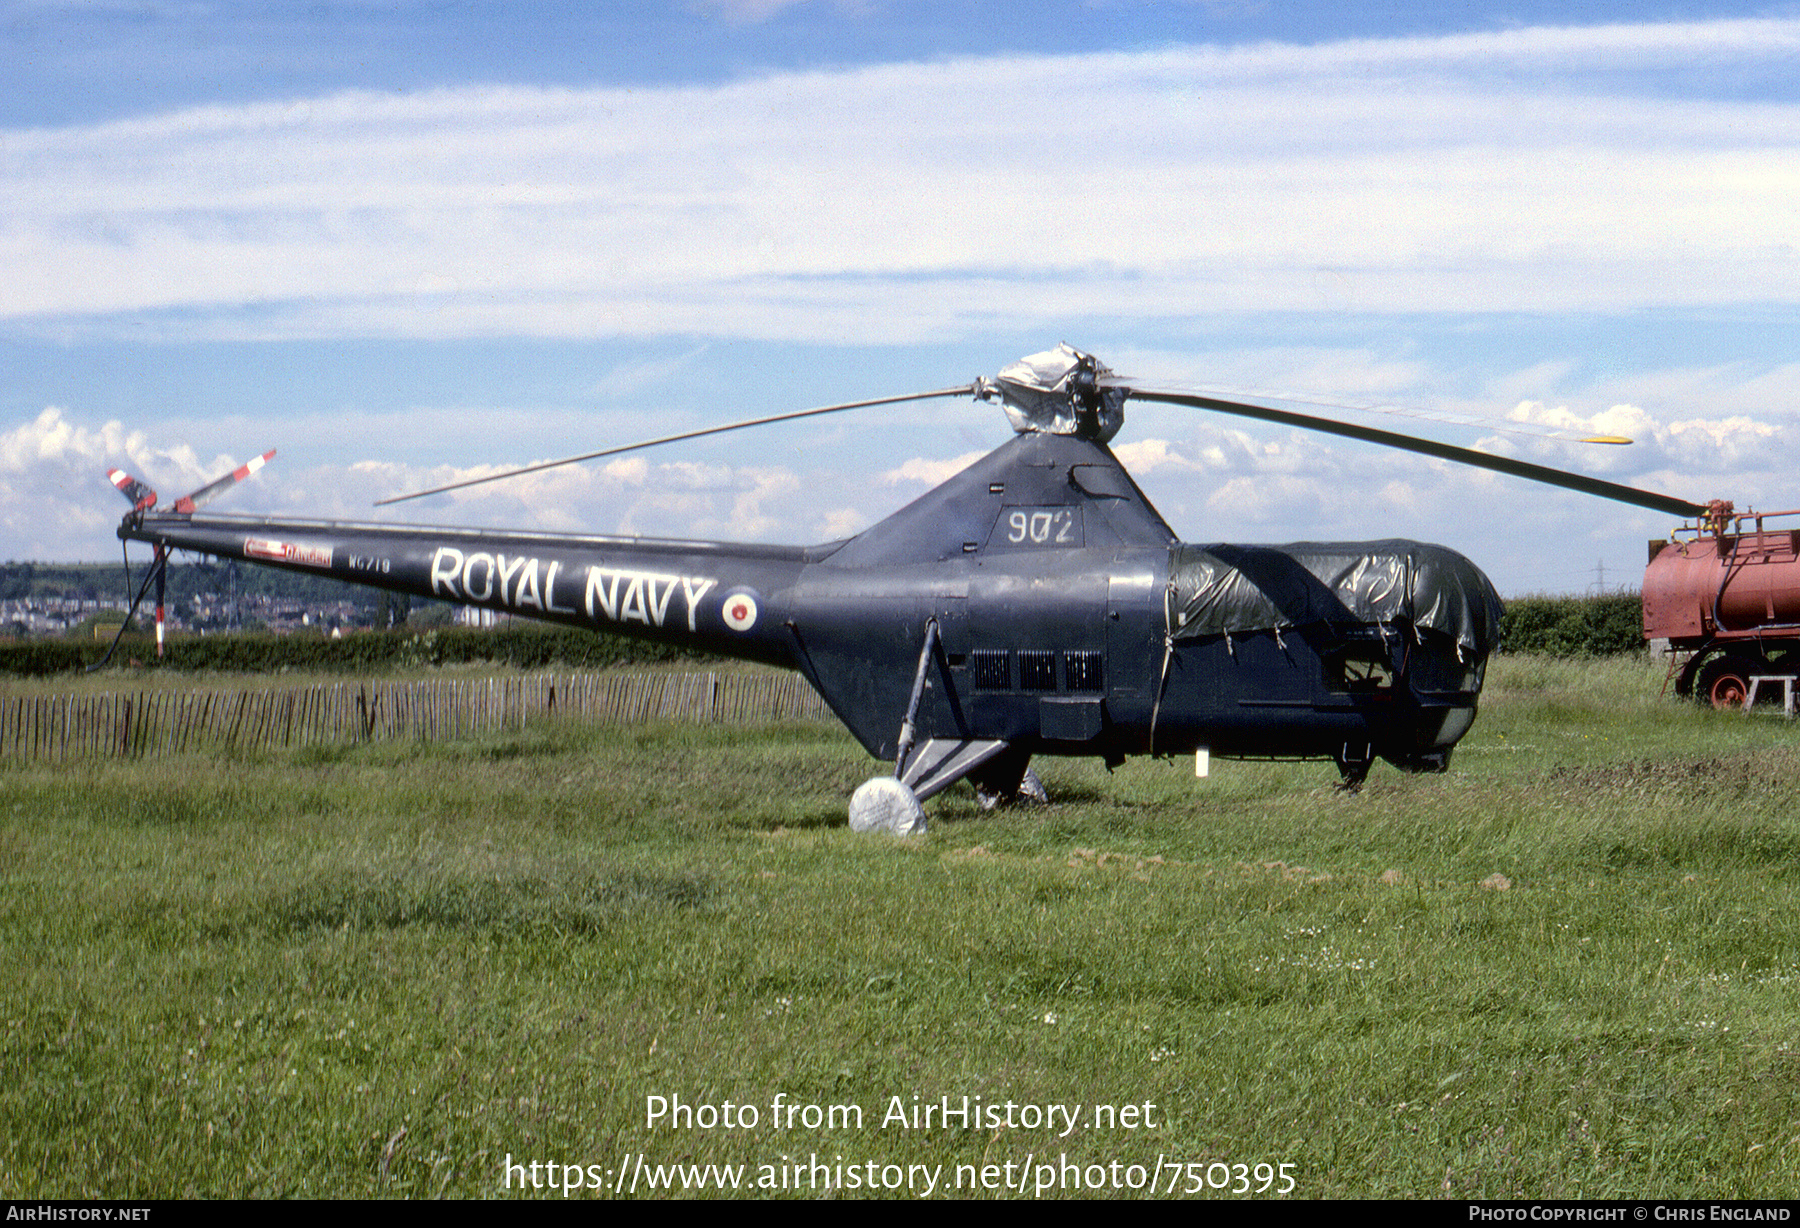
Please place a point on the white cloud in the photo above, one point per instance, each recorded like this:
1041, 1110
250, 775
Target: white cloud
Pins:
842, 522
1467, 173
755, 12
53, 470
928, 471
1142, 456
1730, 442
1696, 458
630, 470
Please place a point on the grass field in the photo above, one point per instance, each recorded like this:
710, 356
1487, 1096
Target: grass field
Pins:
1569, 968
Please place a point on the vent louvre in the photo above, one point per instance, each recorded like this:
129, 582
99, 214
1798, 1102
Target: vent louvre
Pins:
993, 669
1037, 670
1083, 671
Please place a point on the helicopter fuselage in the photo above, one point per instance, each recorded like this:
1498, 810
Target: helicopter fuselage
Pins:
1065, 616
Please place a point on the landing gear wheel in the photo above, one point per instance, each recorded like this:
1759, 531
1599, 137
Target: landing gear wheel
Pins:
1030, 792
1724, 681
1007, 780
1425, 761
885, 804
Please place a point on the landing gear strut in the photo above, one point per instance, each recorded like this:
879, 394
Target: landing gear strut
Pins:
1001, 775
887, 803
1354, 762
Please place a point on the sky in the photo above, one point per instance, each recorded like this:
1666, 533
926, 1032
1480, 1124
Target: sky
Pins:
406, 242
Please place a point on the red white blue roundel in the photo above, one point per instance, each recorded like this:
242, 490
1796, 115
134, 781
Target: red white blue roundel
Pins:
739, 611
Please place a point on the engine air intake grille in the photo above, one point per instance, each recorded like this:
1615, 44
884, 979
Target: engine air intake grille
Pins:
1037, 670
993, 669
1083, 671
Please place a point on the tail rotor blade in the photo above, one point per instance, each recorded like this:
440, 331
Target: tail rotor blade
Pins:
212, 490
142, 498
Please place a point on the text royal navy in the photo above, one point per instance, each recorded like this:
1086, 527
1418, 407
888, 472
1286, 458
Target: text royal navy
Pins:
615, 594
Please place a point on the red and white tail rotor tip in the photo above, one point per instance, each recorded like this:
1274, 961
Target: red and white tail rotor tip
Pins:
141, 496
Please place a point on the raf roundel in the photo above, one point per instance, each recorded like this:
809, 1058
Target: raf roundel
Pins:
739, 611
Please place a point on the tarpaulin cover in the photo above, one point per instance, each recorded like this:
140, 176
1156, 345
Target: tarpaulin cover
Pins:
1234, 589
1036, 394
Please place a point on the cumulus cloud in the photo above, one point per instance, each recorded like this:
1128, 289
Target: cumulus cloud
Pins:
1731, 452
929, 471
53, 473
842, 522
55, 502
1735, 442
1142, 456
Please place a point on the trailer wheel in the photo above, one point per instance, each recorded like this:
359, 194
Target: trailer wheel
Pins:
1724, 681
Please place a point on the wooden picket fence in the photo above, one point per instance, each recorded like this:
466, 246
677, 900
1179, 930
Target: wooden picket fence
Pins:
57, 728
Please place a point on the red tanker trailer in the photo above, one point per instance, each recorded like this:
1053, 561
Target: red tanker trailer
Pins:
1726, 590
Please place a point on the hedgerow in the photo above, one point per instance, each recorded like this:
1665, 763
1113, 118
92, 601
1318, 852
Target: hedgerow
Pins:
1574, 626
523, 647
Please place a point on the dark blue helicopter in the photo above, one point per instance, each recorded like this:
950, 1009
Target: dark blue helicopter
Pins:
1034, 604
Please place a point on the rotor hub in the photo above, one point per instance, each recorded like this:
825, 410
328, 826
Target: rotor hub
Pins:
1059, 392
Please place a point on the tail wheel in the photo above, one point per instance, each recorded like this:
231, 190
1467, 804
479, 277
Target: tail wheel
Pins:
1725, 681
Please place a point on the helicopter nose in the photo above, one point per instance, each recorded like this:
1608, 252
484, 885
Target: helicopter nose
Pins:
1442, 729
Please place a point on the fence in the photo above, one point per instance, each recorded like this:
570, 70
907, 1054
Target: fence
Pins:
57, 728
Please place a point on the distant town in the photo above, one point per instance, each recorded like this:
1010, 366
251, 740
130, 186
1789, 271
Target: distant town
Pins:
79, 599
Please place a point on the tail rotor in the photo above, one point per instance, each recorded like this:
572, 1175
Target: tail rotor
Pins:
142, 500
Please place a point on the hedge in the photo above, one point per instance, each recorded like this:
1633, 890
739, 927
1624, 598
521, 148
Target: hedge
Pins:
524, 647
1574, 626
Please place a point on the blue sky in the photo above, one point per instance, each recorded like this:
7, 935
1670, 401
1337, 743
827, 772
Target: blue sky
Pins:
405, 242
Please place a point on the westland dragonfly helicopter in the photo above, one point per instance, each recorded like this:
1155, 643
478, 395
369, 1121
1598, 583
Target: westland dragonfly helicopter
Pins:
1034, 604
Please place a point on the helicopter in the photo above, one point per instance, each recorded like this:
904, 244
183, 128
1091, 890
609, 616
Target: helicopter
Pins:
1033, 604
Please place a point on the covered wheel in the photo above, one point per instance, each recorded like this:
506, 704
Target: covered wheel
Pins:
1725, 681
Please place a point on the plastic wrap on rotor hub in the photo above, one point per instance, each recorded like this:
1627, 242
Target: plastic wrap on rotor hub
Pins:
1059, 392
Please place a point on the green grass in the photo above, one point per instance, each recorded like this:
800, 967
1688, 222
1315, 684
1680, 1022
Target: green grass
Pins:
1566, 969
130, 681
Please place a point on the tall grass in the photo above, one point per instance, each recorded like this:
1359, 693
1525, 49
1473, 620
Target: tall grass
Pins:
1565, 969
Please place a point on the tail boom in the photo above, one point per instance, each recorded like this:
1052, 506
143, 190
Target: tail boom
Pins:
719, 597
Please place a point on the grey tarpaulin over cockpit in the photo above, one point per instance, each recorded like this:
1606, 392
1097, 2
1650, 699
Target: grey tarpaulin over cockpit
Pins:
1229, 590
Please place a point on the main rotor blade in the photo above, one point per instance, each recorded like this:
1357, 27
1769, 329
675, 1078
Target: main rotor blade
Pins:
1388, 409
964, 390
1443, 451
